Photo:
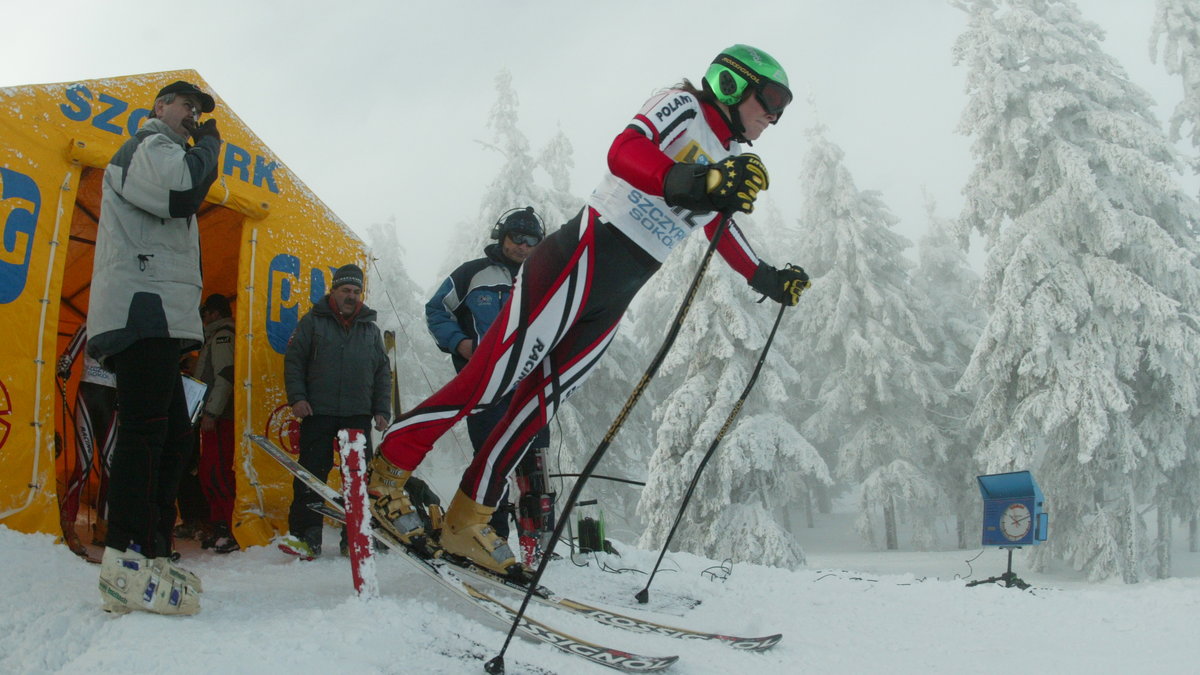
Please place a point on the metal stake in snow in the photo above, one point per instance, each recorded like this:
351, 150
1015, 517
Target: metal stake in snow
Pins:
353, 444
644, 595
496, 665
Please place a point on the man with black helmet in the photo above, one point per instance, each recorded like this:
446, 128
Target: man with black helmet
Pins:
337, 377
465, 305
677, 167
146, 287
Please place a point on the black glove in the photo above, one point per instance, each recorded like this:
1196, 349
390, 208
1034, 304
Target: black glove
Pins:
208, 128
783, 286
730, 185
741, 177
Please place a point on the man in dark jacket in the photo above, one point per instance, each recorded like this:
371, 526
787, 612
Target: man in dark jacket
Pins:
337, 377
142, 315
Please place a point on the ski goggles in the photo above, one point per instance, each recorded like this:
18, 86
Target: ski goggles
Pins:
773, 97
524, 239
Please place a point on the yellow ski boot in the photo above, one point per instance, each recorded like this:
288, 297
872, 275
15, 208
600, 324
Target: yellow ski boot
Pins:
467, 533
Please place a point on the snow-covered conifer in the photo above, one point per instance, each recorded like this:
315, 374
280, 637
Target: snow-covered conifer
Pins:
865, 381
946, 280
737, 509
1177, 28
1087, 366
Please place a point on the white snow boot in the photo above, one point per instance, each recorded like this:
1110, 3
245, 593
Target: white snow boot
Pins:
130, 581
468, 533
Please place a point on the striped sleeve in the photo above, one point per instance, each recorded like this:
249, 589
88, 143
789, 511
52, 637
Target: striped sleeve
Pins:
734, 248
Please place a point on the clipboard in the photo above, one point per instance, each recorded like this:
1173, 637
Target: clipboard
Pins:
195, 393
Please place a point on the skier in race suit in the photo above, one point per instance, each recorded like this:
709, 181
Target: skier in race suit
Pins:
677, 167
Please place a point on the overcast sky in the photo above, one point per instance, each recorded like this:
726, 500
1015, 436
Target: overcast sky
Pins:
379, 106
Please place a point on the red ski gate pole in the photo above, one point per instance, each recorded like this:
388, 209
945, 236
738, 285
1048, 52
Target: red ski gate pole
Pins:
352, 445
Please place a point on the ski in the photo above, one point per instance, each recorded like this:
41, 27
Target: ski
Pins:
544, 596
449, 577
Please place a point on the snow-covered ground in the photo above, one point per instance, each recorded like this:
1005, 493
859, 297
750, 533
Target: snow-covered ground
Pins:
851, 611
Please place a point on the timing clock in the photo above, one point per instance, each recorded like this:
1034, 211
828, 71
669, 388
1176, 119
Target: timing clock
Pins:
1015, 521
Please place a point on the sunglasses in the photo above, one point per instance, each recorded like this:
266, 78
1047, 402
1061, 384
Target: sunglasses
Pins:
773, 97
524, 239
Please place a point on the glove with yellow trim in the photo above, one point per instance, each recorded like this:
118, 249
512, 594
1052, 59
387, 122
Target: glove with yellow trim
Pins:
729, 185
783, 286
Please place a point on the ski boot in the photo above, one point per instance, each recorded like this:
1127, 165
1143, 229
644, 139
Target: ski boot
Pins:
467, 533
392, 509
130, 581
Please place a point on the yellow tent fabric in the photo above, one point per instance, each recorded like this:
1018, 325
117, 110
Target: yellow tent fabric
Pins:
267, 242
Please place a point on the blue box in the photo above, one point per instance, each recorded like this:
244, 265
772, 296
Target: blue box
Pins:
1013, 510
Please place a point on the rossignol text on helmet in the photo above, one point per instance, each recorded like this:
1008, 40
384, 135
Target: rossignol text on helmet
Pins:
519, 221
742, 70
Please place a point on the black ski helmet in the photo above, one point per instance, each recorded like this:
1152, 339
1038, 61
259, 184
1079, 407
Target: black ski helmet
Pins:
520, 220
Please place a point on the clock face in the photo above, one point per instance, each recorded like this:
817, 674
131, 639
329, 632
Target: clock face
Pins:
1015, 522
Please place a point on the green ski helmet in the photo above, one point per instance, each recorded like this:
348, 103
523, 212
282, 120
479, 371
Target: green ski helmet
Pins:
742, 70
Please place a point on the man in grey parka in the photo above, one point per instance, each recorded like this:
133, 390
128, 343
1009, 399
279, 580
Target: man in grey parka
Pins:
337, 377
141, 318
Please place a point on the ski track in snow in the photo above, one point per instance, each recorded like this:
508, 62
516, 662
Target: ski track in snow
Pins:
266, 612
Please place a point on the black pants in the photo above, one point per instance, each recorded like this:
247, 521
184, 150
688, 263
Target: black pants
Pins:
154, 440
318, 443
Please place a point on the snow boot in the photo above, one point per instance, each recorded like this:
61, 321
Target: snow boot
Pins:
130, 581
467, 533
223, 540
392, 508
305, 546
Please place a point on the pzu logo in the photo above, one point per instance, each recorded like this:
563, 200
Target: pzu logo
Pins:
20, 203
283, 297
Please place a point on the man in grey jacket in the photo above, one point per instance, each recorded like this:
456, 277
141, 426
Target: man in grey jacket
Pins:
337, 377
142, 316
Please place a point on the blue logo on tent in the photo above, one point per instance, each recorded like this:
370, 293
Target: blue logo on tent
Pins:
283, 303
20, 203
316, 288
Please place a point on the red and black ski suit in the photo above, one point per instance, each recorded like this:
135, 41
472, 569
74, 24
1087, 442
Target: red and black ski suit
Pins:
572, 292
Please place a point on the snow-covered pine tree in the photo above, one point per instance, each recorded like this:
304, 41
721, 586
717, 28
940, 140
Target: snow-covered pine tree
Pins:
400, 305
1177, 28
1088, 363
557, 158
739, 502
946, 280
866, 383
512, 187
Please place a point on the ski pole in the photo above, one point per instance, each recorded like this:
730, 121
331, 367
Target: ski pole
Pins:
496, 665
612, 478
389, 347
644, 595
